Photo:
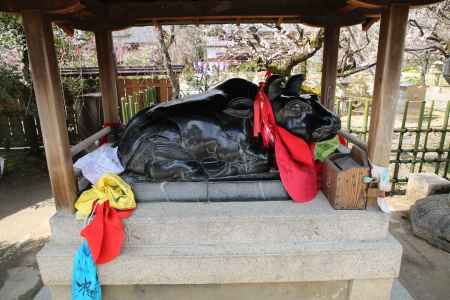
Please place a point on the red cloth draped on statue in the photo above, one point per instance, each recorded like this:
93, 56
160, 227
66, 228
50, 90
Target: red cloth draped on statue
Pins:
105, 234
294, 157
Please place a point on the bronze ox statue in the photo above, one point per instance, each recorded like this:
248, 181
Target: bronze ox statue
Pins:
209, 136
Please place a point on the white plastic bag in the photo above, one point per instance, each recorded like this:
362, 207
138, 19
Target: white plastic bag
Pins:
100, 161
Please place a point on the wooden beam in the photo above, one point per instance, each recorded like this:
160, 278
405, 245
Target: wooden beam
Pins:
90, 23
387, 83
363, 4
50, 103
354, 139
368, 23
385, 3
184, 8
329, 65
108, 76
60, 6
87, 142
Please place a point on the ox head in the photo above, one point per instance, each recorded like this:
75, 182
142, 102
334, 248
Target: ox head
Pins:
302, 114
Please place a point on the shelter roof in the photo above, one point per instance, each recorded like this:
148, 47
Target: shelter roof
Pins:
118, 14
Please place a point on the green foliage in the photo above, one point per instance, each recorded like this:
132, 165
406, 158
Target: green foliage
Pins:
188, 73
277, 68
307, 89
11, 88
12, 36
76, 50
75, 87
250, 66
13, 83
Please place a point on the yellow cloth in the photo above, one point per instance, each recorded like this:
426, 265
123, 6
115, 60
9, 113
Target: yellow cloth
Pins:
109, 187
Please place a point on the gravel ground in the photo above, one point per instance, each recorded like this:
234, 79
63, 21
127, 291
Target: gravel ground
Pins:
25, 207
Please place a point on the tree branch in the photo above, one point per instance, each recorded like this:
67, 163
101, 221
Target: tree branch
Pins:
297, 59
414, 23
168, 62
439, 49
354, 71
171, 36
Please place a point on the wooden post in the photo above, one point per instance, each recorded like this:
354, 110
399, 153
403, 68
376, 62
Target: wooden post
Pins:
387, 82
329, 65
386, 91
50, 103
108, 76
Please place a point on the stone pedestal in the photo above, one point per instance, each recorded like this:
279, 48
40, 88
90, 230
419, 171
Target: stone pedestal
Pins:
237, 250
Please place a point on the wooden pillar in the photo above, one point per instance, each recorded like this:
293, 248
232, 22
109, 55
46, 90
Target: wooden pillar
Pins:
329, 65
108, 76
387, 84
50, 104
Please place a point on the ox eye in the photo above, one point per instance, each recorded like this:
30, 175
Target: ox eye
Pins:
298, 106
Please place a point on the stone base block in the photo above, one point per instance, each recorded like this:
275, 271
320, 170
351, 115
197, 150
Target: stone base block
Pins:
377, 289
234, 263
370, 289
252, 250
421, 185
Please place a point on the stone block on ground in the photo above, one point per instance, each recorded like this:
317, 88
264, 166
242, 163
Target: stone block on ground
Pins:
430, 219
421, 185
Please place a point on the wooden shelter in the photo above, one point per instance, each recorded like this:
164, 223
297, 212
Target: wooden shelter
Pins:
104, 16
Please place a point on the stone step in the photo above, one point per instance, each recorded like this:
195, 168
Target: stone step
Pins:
166, 223
233, 263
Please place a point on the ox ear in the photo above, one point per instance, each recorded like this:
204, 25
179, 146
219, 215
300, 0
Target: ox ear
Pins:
274, 86
293, 85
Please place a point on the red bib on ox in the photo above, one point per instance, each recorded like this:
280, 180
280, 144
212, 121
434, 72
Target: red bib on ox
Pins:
294, 157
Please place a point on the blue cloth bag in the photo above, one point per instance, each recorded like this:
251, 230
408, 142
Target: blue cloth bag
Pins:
85, 282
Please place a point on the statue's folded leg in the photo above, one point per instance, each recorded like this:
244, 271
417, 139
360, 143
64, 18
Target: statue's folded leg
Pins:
174, 170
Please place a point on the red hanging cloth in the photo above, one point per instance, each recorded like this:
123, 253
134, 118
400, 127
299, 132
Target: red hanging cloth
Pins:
294, 157
105, 234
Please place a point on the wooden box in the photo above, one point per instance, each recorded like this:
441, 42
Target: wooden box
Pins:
343, 179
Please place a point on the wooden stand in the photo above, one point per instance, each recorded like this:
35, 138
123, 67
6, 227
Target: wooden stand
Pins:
342, 179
